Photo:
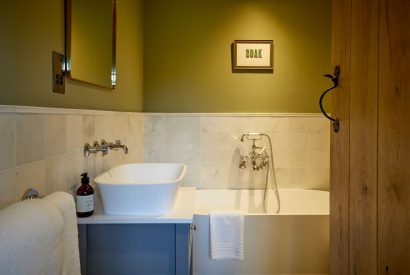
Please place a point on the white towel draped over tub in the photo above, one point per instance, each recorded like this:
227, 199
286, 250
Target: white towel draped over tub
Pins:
64, 202
227, 235
33, 236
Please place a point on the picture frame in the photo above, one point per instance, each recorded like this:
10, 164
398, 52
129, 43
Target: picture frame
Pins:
252, 56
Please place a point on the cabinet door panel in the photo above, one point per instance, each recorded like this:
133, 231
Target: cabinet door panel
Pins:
131, 249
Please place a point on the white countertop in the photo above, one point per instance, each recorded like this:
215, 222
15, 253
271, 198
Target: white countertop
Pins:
183, 212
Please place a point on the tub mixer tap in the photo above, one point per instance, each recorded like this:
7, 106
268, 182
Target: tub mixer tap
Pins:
258, 155
260, 160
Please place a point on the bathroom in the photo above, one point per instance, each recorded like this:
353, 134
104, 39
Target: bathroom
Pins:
177, 99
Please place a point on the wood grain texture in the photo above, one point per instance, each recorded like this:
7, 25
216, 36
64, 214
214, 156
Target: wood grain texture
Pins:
339, 156
394, 138
372, 237
363, 138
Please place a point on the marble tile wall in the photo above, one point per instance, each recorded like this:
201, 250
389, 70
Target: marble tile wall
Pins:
42, 148
209, 145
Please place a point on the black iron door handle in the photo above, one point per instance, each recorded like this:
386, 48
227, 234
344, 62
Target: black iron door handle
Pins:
335, 80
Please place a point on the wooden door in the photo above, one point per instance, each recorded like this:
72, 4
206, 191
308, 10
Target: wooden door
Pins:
370, 156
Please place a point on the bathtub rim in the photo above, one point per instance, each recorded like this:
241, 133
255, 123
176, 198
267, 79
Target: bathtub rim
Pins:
206, 213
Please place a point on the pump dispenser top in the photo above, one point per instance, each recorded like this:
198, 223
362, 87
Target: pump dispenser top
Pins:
84, 178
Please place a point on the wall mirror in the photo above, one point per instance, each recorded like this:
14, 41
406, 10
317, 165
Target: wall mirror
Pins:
90, 41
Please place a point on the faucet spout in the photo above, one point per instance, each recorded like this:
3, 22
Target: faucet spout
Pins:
115, 146
125, 148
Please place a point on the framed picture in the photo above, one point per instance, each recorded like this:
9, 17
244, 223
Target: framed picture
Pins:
252, 55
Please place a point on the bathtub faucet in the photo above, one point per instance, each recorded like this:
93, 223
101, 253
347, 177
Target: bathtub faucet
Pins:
261, 160
258, 156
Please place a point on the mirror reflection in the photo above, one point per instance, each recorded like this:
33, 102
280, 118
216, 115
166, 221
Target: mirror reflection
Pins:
90, 41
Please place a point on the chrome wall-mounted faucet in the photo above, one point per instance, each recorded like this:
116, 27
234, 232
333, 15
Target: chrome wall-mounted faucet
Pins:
104, 147
114, 146
88, 149
258, 156
260, 160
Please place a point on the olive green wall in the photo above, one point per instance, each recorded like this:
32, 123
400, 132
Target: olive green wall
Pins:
187, 55
31, 30
187, 58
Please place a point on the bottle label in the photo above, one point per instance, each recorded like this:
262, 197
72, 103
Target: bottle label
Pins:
85, 203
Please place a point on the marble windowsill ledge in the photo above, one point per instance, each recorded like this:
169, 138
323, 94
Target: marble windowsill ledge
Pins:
183, 212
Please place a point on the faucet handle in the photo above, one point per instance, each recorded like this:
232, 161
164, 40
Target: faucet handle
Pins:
103, 147
242, 163
118, 142
86, 151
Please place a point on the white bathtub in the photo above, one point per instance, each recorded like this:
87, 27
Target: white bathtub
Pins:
295, 241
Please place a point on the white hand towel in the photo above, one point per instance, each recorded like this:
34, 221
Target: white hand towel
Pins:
64, 202
30, 239
227, 235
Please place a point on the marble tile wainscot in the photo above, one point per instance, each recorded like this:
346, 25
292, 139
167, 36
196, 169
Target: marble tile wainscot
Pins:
208, 143
42, 148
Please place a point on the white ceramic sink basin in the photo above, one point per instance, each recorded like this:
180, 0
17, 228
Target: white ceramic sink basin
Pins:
140, 188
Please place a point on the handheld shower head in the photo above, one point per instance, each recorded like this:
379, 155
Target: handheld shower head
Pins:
253, 136
250, 136
242, 138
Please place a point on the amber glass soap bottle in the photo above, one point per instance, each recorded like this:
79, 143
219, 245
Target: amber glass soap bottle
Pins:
85, 198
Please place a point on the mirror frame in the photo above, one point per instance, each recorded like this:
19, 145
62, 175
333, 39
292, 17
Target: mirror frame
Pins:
68, 34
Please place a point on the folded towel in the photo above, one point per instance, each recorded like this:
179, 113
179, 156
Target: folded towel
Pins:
30, 239
227, 235
64, 202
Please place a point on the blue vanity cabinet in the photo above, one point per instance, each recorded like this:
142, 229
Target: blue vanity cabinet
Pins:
113, 249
